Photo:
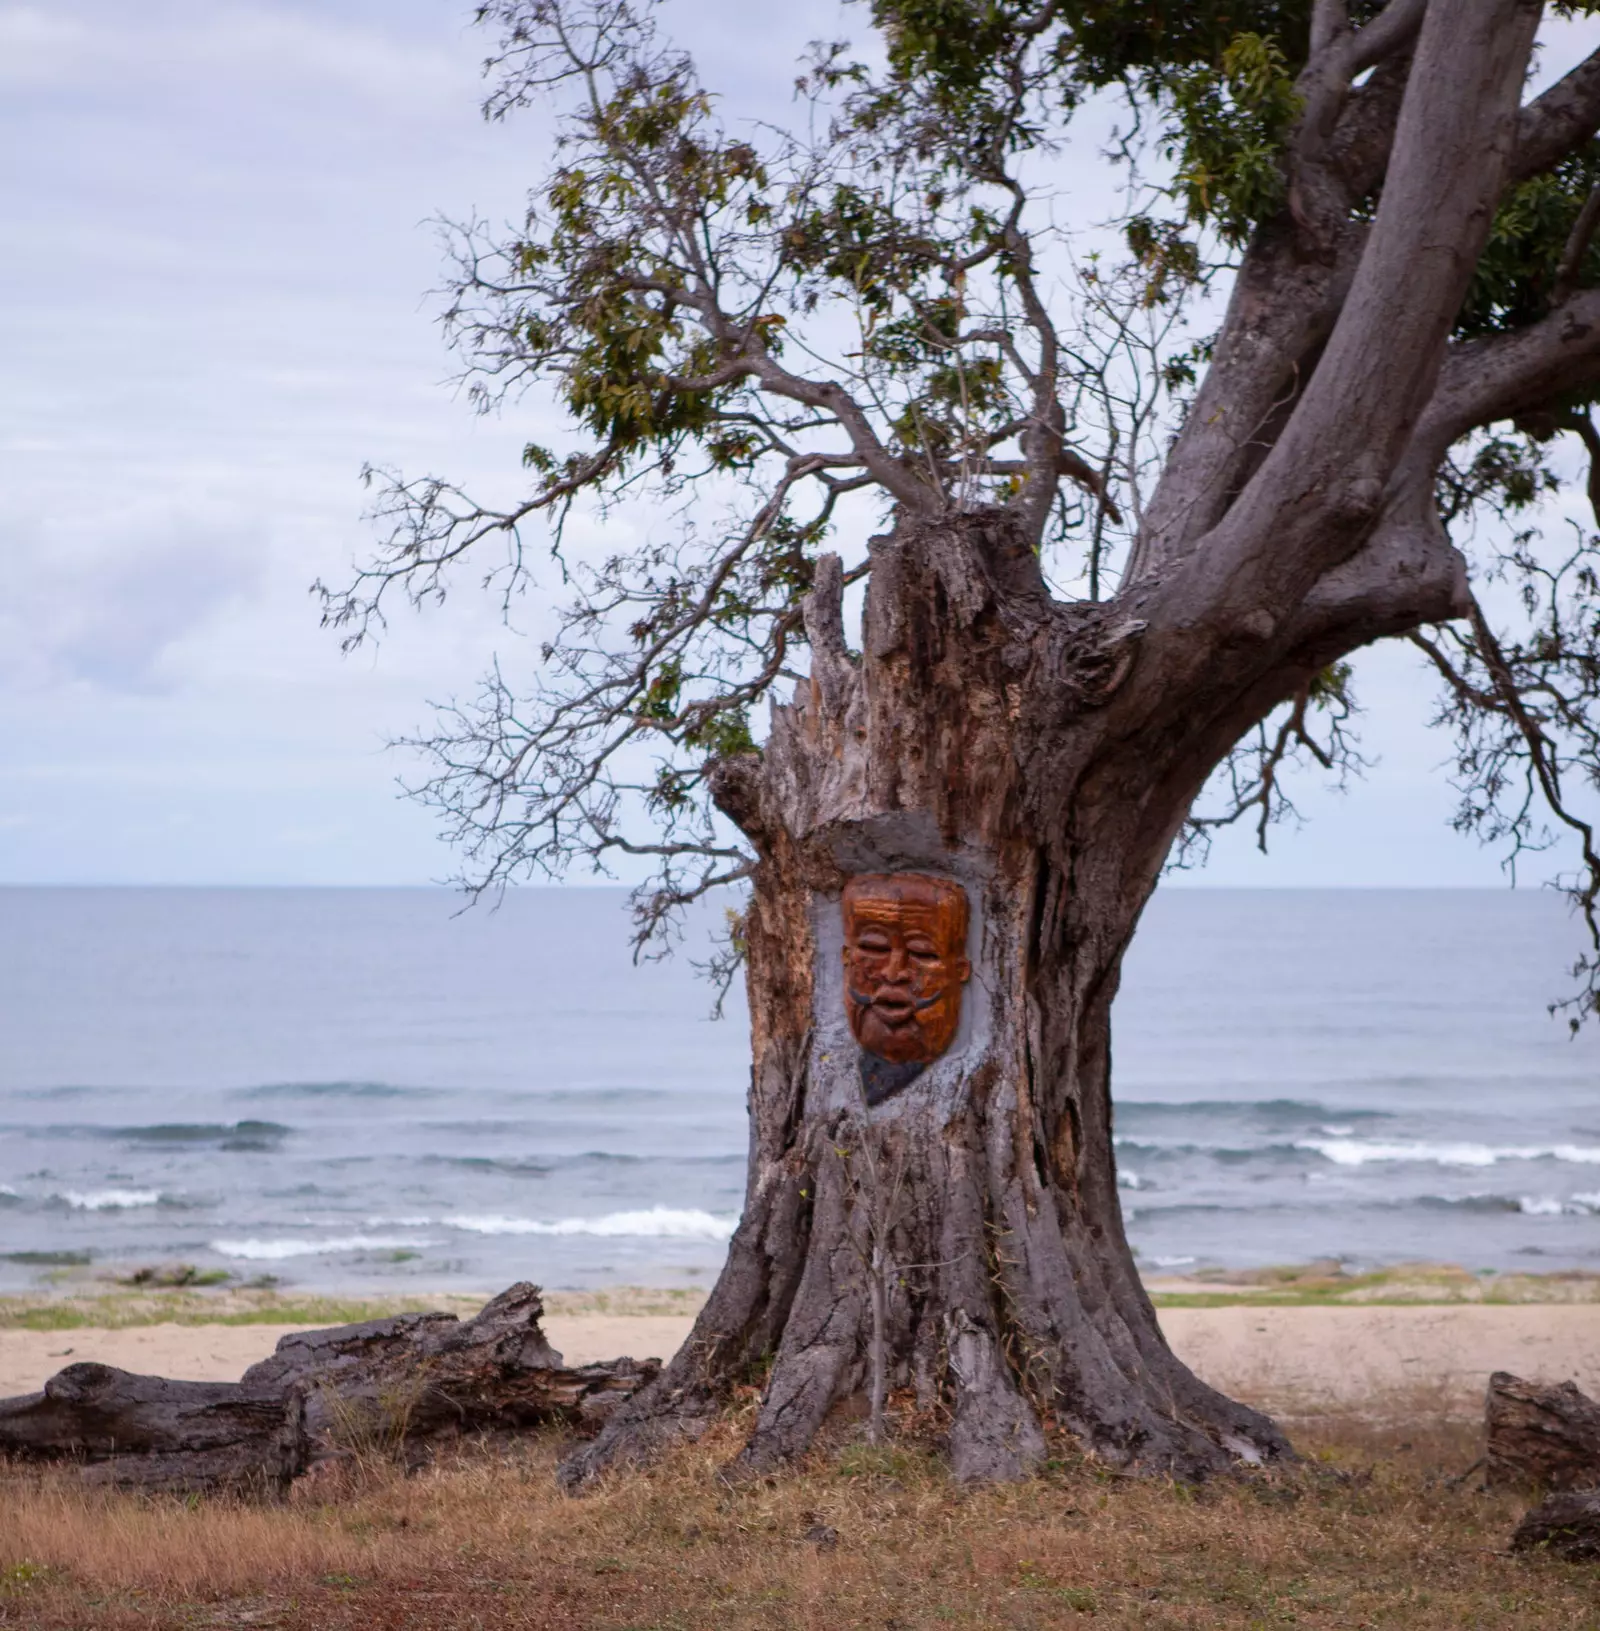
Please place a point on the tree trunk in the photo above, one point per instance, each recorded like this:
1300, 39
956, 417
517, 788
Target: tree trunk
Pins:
974, 742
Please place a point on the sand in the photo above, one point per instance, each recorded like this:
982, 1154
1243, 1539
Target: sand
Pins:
1290, 1358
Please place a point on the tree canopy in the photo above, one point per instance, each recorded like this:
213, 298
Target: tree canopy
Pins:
774, 334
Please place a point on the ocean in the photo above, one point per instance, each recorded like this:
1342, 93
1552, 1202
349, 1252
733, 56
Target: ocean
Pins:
372, 1090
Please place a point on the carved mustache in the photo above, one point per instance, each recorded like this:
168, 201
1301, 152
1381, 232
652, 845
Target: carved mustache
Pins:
862, 1000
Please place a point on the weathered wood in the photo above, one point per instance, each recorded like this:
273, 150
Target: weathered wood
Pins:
396, 1384
1567, 1525
1540, 1434
159, 1434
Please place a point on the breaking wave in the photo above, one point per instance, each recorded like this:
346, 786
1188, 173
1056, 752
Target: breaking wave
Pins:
271, 1251
1358, 1152
109, 1200
659, 1223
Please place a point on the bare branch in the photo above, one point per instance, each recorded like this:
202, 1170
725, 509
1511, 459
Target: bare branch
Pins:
1577, 246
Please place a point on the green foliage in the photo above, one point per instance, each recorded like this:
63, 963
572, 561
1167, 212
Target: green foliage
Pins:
1115, 40
1230, 122
1330, 687
1516, 274
1169, 259
1220, 72
1503, 473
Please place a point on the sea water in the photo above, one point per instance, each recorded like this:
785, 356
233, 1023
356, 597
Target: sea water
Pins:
373, 1089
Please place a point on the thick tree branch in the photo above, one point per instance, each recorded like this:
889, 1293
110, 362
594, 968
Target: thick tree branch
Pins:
1481, 381
1285, 300
1322, 485
1338, 55
1553, 124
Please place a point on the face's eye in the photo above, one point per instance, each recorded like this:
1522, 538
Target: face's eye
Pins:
922, 951
874, 941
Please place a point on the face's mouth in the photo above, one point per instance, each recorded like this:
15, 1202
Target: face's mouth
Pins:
892, 1007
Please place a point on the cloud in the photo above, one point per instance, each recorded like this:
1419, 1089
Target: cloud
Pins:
98, 599
213, 310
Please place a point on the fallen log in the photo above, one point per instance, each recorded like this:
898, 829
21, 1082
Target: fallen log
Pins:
1567, 1525
1540, 1434
395, 1386
156, 1433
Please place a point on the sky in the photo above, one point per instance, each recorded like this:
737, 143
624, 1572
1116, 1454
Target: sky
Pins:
214, 309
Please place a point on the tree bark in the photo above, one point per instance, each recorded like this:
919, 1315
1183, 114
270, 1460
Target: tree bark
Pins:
976, 739
392, 1385
1567, 1525
1548, 1436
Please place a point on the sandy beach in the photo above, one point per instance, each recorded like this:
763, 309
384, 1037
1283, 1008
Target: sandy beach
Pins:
1292, 1358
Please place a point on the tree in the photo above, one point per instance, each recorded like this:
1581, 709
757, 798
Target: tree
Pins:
1128, 536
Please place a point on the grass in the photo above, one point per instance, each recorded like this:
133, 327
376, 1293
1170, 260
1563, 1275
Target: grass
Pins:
1375, 1529
1327, 1285
76, 1306
114, 1311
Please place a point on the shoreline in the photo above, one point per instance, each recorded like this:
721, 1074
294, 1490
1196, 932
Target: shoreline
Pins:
171, 1296
1419, 1339
1384, 1359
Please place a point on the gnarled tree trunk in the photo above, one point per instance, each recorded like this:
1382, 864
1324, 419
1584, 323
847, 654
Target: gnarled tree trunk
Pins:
963, 1235
1042, 755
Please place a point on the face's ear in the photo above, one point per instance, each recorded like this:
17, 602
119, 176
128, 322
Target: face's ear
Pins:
963, 968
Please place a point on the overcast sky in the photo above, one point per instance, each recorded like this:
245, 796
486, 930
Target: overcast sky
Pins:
213, 309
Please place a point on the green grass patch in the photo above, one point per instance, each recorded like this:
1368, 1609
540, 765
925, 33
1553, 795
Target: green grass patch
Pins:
116, 1312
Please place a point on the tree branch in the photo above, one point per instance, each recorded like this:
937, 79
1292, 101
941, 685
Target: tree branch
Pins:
1322, 486
1286, 297
1558, 121
1577, 246
1503, 375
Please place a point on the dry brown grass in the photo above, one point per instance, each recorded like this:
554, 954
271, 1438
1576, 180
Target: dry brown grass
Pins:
1371, 1531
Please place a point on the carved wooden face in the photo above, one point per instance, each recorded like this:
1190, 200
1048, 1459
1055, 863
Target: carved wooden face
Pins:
905, 937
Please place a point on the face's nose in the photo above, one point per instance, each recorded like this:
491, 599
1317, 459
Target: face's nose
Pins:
897, 966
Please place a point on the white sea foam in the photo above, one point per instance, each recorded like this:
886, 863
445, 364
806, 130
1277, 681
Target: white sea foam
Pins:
106, 1200
398, 1223
1547, 1206
1129, 1180
267, 1251
1171, 1262
659, 1222
1357, 1152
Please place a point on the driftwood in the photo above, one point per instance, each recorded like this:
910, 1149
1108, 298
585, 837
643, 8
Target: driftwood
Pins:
1544, 1435
397, 1384
1567, 1525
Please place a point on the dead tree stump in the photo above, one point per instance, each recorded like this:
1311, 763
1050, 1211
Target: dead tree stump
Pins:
1543, 1435
398, 1385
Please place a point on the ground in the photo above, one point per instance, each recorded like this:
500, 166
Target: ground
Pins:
1379, 1527
1383, 1524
